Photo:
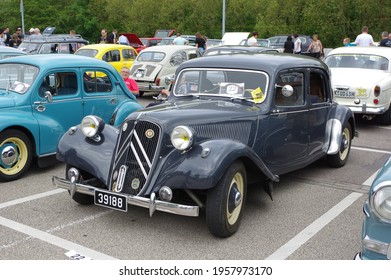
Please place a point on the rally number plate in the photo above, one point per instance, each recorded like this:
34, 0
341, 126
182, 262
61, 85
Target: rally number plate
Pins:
110, 200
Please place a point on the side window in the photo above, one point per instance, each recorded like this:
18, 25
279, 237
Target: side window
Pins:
96, 82
289, 89
115, 55
63, 48
128, 54
59, 84
107, 57
317, 88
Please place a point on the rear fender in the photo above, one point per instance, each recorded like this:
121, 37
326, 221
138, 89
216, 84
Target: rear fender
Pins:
123, 111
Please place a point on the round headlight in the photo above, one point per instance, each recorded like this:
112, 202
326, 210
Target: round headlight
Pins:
381, 201
92, 126
182, 137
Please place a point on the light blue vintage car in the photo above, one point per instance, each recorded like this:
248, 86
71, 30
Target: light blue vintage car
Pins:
42, 96
376, 230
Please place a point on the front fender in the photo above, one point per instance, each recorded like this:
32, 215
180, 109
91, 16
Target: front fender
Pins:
202, 166
86, 154
123, 111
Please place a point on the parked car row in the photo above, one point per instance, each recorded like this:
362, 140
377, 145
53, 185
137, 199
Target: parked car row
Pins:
226, 123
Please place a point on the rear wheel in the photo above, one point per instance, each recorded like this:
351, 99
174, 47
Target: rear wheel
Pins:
225, 202
340, 158
16, 154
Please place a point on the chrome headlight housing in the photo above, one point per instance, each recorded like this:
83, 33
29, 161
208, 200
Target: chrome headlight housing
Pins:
182, 137
380, 201
91, 126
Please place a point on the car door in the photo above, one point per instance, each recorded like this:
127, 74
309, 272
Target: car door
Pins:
57, 105
287, 131
100, 94
319, 108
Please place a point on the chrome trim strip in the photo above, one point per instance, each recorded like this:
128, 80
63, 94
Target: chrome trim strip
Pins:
142, 149
164, 206
122, 150
288, 112
138, 161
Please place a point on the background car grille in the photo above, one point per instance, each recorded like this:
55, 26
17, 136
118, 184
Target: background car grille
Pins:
136, 150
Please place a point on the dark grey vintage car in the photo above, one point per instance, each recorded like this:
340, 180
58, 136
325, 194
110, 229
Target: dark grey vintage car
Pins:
230, 121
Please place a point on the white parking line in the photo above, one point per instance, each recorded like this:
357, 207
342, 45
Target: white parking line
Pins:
292, 245
31, 197
371, 150
57, 241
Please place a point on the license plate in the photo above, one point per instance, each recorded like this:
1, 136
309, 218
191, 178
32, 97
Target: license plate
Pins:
110, 200
344, 93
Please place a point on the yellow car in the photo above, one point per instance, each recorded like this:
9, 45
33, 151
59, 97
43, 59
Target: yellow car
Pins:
115, 54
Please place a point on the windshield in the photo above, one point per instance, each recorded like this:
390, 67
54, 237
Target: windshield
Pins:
29, 47
151, 56
87, 52
249, 85
17, 77
364, 61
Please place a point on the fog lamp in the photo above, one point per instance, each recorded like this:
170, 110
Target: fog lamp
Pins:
165, 193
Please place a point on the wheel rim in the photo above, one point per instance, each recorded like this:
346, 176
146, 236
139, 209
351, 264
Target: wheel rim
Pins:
235, 197
22, 155
345, 144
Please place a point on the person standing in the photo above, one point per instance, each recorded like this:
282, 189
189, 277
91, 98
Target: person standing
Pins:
252, 41
289, 45
123, 40
200, 43
316, 47
103, 38
297, 44
112, 38
386, 41
364, 39
130, 83
179, 40
7, 36
346, 43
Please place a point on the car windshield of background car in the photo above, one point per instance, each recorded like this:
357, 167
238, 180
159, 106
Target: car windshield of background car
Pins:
29, 47
147, 56
362, 61
242, 84
87, 52
17, 77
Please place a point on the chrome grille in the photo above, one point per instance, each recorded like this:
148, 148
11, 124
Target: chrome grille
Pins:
136, 151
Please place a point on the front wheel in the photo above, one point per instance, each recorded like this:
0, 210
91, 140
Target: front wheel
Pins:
225, 202
16, 154
340, 158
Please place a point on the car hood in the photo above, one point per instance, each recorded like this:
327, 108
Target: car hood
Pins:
145, 72
6, 101
133, 39
200, 111
364, 78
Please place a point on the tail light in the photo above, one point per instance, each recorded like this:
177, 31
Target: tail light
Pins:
376, 91
158, 81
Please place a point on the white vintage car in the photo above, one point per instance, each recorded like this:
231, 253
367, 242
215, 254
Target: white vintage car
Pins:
361, 79
155, 66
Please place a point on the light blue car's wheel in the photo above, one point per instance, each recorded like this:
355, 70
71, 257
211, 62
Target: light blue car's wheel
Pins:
15, 154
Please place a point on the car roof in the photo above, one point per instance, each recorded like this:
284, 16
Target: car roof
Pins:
5, 49
58, 60
100, 47
168, 48
384, 51
53, 38
242, 47
270, 62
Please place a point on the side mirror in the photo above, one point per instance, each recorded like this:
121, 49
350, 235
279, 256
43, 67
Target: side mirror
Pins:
48, 97
287, 90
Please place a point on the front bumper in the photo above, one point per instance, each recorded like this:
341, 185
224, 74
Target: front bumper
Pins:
151, 203
149, 87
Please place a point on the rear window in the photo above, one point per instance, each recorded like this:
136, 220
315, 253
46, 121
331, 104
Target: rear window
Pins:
363, 61
87, 52
151, 56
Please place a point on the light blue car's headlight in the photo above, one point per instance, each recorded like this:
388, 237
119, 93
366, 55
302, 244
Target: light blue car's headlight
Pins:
381, 201
91, 126
182, 137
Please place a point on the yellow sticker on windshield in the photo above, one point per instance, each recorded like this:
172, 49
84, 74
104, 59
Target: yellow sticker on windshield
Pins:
258, 95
